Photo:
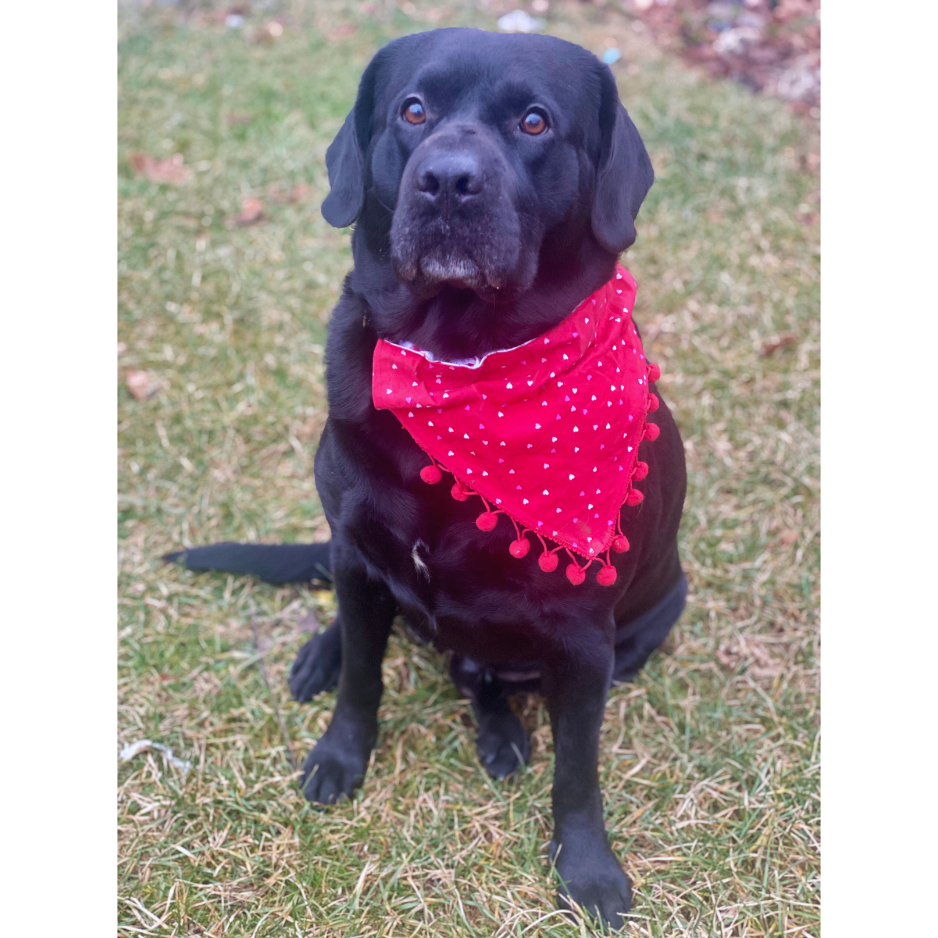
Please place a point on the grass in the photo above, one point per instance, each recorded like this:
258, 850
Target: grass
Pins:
709, 761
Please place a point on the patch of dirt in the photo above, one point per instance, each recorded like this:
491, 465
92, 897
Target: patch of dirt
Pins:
773, 46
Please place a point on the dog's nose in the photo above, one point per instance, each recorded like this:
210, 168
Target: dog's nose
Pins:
450, 174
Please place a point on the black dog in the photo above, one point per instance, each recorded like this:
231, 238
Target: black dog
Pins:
493, 179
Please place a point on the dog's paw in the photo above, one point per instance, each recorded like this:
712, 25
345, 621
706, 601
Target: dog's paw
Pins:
317, 665
331, 771
503, 745
596, 883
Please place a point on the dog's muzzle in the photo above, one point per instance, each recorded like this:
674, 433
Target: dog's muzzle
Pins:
455, 221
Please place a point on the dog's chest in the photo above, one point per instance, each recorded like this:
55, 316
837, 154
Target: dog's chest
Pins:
459, 587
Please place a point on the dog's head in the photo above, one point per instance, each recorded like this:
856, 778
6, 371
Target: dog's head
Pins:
470, 151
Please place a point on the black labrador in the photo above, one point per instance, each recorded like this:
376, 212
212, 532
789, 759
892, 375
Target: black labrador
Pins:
493, 181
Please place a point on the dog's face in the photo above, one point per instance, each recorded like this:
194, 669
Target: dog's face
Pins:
471, 150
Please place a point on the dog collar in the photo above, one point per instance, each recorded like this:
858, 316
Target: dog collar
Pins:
546, 433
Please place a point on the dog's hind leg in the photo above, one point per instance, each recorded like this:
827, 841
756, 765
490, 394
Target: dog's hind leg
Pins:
317, 664
636, 640
501, 741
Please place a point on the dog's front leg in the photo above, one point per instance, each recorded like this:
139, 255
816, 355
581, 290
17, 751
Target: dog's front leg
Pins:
337, 764
575, 686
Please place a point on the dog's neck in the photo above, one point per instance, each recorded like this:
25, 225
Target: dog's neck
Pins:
457, 324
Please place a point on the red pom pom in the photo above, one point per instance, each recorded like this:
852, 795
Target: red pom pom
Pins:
651, 431
430, 474
576, 575
486, 521
634, 497
620, 544
547, 562
458, 492
653, 403
519, 548
640, 471
606, 576
654, 372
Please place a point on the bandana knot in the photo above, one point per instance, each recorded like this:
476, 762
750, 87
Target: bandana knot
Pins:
546, 433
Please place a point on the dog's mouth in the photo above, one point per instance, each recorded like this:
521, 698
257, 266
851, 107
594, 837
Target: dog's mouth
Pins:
457, 269
427, 272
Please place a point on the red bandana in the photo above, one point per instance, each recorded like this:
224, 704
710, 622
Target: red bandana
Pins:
546, 432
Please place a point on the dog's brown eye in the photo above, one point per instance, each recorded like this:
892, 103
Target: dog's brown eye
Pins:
534, 123
413, 112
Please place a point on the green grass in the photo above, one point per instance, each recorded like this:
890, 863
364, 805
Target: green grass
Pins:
709, 761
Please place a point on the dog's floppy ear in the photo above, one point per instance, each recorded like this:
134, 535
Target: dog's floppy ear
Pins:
624, 175
345, 158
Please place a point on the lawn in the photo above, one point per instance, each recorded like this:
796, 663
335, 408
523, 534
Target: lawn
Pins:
710, 760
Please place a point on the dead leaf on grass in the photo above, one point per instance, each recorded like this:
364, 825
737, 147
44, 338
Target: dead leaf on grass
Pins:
252, 211
171, 171
232, 119
142, 384
782, 341
277, 194
342, 31
788, 537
